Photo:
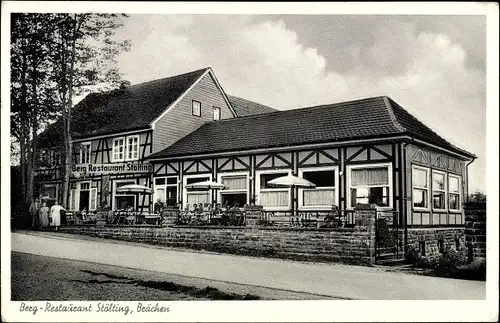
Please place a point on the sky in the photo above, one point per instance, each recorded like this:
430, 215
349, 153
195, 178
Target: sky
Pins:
433, 66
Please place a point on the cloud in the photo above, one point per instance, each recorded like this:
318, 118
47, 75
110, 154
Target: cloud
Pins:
427, 71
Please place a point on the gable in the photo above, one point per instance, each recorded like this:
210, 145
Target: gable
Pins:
178, 120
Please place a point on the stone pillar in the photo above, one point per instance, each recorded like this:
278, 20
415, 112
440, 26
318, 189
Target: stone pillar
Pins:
253, 214
475, 228
364, 220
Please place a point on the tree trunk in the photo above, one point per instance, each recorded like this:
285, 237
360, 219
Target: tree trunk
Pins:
67, 124
34, 129
23, 140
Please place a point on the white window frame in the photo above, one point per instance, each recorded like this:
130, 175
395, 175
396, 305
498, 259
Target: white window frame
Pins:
116, 181
78, 190
192, 108
258, 190
459, 192
164, 186
124, 149
365, 166
138, 145
428, 189
219, 113
88, 152
301, 190
230, 174
72, 194
184, 190
444, 190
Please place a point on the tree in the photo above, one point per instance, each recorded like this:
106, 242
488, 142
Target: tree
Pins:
29, 89
477, 197
53, 58
83, 55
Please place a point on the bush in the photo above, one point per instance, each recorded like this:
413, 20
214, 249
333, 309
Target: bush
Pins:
475, 270
428, 263
449, 262
412, 255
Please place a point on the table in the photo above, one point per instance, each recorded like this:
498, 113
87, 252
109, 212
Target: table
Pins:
155, 218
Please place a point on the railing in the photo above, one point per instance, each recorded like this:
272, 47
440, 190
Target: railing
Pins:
338, 218
311, 219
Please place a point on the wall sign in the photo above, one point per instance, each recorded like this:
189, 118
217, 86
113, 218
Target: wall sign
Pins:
115, 168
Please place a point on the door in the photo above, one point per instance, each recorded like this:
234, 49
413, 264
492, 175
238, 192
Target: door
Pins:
84, 200
84, 196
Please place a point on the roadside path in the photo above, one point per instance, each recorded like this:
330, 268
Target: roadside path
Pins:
332, 280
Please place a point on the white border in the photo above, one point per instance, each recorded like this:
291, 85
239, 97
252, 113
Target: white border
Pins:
486, 310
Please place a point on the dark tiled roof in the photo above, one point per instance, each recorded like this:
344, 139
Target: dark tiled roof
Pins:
244, 107
136, 106
366, 118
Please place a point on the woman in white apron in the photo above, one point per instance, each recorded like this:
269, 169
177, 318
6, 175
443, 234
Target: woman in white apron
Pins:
55, 214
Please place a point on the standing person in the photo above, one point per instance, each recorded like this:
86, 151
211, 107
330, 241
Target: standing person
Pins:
158, 206
35, 205
43, 215
55, 214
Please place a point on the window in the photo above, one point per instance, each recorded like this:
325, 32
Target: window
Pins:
118, 149
196, 108
236, 190
216, 113
123, 200
438, 190
269, 196
132, 148
165, 189
85, 153
323, 195
126, 148
194, 196
420, 182
370, 185
454, 200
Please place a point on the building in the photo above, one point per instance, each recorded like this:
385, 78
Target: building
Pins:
168, 133
115, 132
363, 151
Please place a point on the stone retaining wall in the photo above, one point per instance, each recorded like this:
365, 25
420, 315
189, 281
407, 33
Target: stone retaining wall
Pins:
451, 239
346, 245
475, 228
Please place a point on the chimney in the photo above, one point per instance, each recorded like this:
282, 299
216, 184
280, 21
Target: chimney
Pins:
124, 84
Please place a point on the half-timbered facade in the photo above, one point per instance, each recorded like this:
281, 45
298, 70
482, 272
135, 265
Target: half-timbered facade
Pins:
367, 151
139, 120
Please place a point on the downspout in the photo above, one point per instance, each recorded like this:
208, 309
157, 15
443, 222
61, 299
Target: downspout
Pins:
467, 175
405, 193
